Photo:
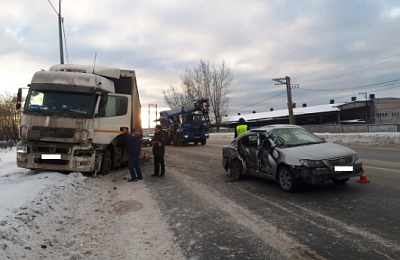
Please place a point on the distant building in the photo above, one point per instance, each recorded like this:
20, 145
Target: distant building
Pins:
372, 111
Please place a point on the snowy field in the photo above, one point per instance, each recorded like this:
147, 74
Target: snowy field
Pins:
377, 140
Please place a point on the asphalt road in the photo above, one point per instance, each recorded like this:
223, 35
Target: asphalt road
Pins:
213, 217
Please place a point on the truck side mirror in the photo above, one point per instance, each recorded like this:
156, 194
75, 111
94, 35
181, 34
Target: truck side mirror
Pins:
19, 99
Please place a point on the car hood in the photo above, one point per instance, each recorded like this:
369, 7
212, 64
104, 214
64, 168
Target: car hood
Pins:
292, 155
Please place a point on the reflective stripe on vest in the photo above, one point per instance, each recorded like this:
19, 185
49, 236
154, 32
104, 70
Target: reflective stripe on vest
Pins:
240, 129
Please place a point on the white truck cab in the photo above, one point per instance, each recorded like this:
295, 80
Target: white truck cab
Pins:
73, 117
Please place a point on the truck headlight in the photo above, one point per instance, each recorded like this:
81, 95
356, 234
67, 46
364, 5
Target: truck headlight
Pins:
206, 134
22, 149
312, 163
186, 136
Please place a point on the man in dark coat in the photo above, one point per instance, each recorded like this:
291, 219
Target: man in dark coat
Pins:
159, 142
133, 148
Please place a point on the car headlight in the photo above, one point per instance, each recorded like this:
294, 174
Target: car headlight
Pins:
356, 158
312, 163
22, 149
149, 139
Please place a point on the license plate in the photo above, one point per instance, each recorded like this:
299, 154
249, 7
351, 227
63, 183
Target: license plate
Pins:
343, 168
51, 156
197, 137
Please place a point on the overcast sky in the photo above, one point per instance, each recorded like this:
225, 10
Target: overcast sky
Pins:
334, 44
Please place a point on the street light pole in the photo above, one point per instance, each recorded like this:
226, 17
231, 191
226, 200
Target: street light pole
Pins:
60, 34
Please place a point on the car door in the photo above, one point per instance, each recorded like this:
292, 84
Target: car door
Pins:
248, 150
267, 163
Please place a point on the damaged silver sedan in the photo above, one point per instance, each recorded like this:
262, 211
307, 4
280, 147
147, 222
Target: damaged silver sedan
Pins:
290, 155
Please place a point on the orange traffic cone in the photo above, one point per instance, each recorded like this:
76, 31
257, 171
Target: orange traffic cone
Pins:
363, 178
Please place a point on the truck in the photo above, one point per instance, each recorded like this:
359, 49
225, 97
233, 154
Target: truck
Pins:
73, 118
188, 123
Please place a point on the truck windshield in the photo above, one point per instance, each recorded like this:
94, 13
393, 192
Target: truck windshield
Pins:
59, 103
194, 118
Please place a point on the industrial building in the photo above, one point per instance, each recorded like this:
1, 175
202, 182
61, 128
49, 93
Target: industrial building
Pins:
371, 111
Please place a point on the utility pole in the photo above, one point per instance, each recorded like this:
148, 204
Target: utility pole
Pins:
60, 34
60, 19
286, 81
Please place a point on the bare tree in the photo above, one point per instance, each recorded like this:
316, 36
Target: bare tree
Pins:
9, 118
207, 81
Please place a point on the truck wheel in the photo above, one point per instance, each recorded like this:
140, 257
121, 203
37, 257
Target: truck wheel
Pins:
196, 142
203, 141
287, 180
342, 181
235, 170
179, 141
175, 140
106, 163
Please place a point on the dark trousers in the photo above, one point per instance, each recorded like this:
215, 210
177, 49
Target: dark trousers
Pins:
159, 160
133, 165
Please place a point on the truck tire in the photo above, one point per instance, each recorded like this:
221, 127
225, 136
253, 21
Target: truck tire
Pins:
105, 167
203, 141
196, 142
179, 141
175, 140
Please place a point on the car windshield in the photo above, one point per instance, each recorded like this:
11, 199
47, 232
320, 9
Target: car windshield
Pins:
59, 103
145, 135
294, 137
194, 118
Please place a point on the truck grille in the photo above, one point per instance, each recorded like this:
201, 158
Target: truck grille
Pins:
55, 132
49, 161
341, 161
50, 149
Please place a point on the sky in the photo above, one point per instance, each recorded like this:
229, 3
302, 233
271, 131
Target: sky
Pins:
334, 49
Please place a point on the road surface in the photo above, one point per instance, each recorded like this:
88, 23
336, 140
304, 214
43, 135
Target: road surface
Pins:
213, 217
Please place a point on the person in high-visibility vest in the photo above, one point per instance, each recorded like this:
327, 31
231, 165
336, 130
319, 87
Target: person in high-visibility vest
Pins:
241, 128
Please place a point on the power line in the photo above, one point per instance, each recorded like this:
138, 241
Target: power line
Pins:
323, 77
258, 102
348, 61
351, 88
53, 7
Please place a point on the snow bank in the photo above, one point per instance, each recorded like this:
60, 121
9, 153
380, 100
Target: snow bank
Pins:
17, 186
23, 222
381, 140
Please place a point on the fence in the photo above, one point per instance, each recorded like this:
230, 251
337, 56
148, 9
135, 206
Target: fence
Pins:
337, 129
389, 128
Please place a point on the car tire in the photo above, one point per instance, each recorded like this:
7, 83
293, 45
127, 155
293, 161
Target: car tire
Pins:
286, 179
236, 170
105, 167
203, 141
341, 181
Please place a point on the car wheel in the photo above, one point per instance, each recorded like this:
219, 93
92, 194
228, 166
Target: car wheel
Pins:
203, 141
341, 181
106, 163
235, 170
287, 180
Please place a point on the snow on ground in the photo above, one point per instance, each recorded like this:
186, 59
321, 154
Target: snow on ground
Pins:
18, 186
378, 140
49, 215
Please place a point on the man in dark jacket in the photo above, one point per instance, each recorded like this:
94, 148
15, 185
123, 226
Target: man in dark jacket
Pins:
159, 141
133, 149
241, 128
